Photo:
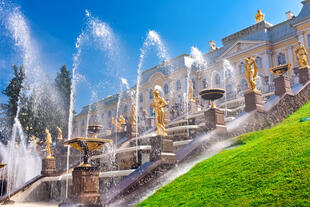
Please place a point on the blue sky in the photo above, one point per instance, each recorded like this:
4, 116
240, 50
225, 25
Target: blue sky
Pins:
181, 24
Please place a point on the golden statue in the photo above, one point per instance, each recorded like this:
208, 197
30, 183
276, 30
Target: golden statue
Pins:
250, 73
158, 104
33, 139
259, 16
133, 115
191, 91
121, 119
302, 55
59, 136
48, 142
117, 125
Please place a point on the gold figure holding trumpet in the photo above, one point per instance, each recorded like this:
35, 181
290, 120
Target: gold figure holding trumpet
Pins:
48, 142
133, 115
59, 136
302, 55
250, 73
158, 104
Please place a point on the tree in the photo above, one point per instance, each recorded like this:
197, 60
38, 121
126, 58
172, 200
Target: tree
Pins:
63, 82
12, 91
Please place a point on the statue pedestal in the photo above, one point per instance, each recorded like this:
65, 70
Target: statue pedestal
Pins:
48, 166
253, 101
282, 86
162, 149
85, 188
215, 120
304, 75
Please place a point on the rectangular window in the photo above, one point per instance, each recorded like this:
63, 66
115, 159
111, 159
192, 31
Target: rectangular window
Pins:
308, 40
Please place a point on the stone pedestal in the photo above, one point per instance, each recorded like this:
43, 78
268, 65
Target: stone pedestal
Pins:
215, 120
48, 166
162, 149
304, 75
253, 101
85, 188
282, 86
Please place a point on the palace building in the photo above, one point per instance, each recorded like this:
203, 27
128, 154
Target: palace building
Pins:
271, 45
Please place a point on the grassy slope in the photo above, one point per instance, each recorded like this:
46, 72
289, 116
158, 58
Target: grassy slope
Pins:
272, 167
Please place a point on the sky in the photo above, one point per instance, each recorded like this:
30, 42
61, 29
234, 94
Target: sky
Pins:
181, 24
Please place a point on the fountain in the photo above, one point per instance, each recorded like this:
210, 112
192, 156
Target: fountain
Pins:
214, 117
282, 82
85, 183
2, 165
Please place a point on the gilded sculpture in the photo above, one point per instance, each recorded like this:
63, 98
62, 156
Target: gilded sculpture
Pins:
302, 55
59, 136
117, 125
33, 140
191, 91
259, 16
250, 73
158, 104
121, 119
48, 142
133, 115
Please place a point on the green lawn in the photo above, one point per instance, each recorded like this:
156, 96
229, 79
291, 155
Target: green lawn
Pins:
270, 168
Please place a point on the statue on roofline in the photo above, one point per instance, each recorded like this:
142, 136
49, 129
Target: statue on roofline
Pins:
259, 16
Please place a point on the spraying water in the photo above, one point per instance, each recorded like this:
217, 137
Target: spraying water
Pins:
23, 161
97, 32
152, 40
229, 76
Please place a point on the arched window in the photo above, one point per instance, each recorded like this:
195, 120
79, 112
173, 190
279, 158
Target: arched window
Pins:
140, 97
125, 109
102, 115
109, 114
151, 94
241, 68
244, 85
178, 85
281, 58
259, 62
217, 79
166, 88
194, 83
